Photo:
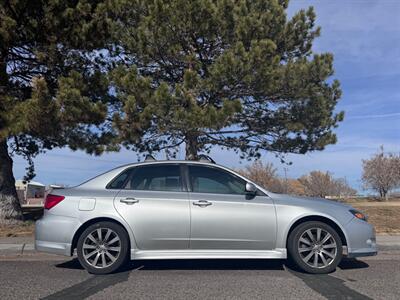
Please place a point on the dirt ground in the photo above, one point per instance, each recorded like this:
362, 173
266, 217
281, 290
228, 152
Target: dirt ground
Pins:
384, 215
26, 228
372, 200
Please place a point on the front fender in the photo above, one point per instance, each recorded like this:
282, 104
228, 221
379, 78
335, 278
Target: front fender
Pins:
288, 217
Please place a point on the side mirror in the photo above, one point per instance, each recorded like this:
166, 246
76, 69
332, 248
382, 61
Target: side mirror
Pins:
251, 188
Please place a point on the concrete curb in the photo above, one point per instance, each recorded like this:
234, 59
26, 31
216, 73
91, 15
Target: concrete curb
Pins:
17, 248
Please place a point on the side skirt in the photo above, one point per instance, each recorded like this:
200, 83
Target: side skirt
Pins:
279, 253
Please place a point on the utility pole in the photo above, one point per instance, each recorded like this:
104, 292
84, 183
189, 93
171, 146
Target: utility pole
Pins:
286, 180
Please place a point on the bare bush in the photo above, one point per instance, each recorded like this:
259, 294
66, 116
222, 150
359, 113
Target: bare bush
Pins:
314, 184
295, 187
381, 173
322, 184
264, 175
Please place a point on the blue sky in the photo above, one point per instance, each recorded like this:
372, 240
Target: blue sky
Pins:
364, 37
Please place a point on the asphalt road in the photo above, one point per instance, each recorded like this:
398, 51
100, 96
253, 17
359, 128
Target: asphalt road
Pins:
52, 277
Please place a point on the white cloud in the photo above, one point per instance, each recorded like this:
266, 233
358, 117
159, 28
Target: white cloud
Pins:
390, 115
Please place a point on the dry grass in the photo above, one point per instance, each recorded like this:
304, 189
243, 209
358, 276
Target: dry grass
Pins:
384, 215
376, 200
385, 219
24, 229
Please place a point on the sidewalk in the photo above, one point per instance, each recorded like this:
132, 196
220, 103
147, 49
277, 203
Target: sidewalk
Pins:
18, 245
388, 241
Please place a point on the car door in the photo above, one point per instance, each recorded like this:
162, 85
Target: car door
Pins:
154, 202
224, 216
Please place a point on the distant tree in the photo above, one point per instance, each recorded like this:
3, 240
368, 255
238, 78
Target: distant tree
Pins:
382, 173
236, 74
314, 184
341, 188
322, 184
53, 87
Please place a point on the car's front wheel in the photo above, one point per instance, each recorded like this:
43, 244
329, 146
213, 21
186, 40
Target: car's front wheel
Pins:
315, 247
103, 248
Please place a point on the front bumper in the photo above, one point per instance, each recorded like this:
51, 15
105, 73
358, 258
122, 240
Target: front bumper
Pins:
54, 234
361, 254
361, 240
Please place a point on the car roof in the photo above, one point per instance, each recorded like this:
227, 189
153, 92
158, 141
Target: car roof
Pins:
172, 161
104, 178
153, 162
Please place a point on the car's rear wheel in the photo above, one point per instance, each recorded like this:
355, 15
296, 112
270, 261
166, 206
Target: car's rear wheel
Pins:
103, 248
315, 247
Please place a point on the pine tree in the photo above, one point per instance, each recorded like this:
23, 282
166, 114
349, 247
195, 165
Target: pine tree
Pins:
234, 74
200, 73
53, 86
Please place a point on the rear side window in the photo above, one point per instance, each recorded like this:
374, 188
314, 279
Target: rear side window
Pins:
119, 181
155, 178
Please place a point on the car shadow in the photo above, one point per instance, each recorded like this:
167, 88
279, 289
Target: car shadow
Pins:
352, 263
72, 264
191, 264
213, 264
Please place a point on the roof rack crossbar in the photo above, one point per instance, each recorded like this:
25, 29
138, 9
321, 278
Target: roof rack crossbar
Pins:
206, 158
149, 157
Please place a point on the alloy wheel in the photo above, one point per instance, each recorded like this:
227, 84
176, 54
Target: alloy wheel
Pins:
317, 247
101, 248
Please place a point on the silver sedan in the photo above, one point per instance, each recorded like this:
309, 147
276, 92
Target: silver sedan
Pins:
196, 210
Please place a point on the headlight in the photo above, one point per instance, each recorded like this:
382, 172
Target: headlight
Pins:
358, 214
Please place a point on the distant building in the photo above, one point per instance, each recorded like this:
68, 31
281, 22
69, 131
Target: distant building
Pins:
30, 193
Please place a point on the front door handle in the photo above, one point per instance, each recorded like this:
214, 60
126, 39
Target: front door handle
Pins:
129, 201
202, 203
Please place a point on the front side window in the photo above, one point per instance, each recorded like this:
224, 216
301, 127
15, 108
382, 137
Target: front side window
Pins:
212, 180
155, 178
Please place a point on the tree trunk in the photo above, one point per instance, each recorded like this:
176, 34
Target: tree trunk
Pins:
381, 195
10, 208
386, 196
192, 146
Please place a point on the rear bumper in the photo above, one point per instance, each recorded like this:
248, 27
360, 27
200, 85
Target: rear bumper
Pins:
54, 234
361, 239
53, 248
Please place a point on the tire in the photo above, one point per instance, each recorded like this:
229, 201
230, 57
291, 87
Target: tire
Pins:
315, 256
106, 254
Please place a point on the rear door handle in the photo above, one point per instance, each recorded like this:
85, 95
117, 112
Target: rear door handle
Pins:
129, 201
202, 203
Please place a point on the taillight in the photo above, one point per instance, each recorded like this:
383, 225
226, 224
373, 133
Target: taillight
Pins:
52, 200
